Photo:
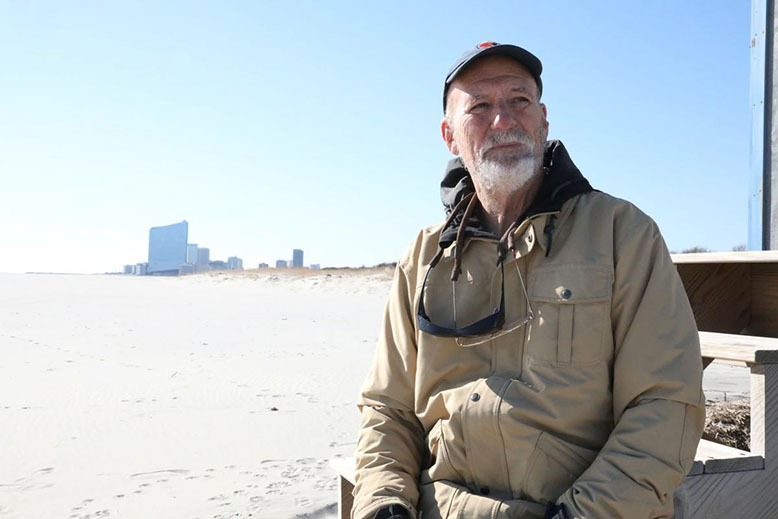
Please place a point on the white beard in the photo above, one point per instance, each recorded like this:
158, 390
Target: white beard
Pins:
507, 174
496, 176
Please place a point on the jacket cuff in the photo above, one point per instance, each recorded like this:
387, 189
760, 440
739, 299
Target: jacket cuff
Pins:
393, 511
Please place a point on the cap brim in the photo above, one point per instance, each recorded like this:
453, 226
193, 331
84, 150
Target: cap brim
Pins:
516, 53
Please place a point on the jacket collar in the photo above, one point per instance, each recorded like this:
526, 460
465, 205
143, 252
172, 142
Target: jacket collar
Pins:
562, 180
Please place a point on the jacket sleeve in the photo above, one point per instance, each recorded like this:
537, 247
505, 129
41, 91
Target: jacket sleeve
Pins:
658, 403
390, 445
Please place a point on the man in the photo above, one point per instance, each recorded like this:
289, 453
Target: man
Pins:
538, 356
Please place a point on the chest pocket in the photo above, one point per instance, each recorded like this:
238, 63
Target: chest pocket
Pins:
572, 315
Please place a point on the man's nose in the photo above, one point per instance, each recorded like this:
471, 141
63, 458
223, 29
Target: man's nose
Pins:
504, 117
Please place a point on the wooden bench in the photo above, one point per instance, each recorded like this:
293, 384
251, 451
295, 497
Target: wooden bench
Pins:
734, 297
725, 482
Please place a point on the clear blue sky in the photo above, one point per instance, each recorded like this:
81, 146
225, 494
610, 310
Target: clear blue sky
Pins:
307, 124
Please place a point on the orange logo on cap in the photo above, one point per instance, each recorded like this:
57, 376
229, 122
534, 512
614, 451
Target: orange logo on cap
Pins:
486, 44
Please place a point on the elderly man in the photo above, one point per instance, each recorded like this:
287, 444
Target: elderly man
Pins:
538, 358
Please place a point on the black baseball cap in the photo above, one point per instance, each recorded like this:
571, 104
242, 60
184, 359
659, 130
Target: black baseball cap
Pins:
491, 48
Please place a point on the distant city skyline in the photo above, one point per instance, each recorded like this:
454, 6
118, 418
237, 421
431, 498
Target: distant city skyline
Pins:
170, 253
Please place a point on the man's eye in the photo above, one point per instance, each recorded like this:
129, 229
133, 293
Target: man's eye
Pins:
479, 107
520, 100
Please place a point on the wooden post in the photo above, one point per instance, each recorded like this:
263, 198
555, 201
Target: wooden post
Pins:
763, 196
764, 414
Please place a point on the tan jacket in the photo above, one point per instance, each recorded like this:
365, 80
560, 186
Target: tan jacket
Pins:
595, 403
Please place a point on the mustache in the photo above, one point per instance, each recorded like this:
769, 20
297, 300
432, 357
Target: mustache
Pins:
515, 136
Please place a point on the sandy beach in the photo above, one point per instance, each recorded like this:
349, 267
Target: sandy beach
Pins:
207, 396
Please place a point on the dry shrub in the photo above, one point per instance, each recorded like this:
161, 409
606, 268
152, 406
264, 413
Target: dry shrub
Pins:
728, 423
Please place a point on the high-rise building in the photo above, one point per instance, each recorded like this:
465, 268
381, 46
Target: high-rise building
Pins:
167, 248
191, 253
297, 258
281, 264
234, 263
203, 258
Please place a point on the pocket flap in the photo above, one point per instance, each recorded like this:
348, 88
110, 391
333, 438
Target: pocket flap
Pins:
571, 284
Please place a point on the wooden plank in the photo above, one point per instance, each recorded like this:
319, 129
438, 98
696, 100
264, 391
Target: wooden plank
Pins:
698, 467
346, 502
769, 256
764, 412
739, 350
717, 458
345, 467
720, 466
720, 295
764, 300
741, 495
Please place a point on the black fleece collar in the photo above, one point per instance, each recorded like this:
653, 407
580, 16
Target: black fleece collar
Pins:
562, 180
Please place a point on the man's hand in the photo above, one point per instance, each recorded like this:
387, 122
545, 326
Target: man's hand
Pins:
555, 511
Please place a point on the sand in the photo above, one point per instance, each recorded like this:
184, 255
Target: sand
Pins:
206, 396
191, 397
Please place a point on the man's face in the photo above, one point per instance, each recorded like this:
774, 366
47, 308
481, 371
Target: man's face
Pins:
496, 124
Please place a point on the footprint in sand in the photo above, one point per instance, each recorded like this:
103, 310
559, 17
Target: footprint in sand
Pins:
303, 502
277, 486
157, 473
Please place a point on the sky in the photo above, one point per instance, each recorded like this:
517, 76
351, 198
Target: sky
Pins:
270, 125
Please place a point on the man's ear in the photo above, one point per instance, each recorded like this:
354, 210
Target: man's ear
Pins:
545, 120
448, 136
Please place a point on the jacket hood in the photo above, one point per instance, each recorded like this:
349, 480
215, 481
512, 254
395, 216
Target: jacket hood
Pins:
562, 180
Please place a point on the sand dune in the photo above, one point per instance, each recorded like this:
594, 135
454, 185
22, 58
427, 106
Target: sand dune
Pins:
207, 396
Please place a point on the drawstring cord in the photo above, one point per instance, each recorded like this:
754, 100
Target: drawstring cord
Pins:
457, 269
458, 207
